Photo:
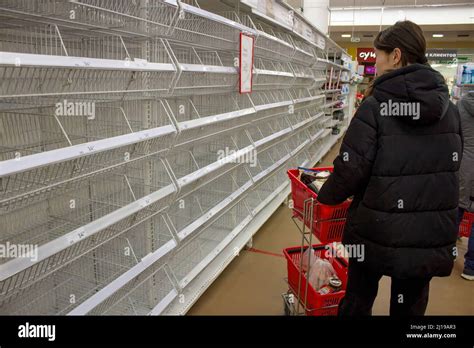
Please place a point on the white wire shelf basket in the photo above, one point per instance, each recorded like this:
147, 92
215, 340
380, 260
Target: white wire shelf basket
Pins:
121, 17
68, 287
214, 228
36, 166
195, 254
205, 29
269, 160
203, 71
304, 76
298, 140
199, 118
72, 224
316, 130
272, 74
304, 52
191, 212
45, 80
200, 163
148, 294
34, 129
269, 103
266, 188
273, 45
269, 127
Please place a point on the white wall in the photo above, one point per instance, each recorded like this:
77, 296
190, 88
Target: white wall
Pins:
317, 12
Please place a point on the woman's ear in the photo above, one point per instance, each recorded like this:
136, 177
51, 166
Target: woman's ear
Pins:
397, 57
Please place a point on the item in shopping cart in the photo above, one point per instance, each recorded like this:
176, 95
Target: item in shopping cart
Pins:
321, 178
317, 173
326, 289
322, 175
335, 283
320, 272
313, 179
308, 180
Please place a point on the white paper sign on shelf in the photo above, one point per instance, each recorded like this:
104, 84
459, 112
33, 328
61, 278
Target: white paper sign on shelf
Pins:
246, 63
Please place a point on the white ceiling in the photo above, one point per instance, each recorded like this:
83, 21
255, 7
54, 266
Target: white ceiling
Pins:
363, 3
368, 36
452, 33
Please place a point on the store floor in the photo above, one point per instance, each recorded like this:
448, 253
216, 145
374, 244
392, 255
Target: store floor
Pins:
254, 281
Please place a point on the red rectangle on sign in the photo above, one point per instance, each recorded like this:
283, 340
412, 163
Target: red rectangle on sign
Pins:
366, 55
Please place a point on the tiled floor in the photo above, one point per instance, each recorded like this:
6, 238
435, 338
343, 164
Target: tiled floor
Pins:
253, 283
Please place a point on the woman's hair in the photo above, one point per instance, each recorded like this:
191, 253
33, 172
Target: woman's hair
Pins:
408, 37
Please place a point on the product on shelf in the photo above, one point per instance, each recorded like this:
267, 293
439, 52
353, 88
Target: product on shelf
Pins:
338, 115
465, 74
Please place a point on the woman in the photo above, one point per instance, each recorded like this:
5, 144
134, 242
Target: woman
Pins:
466, 176
399, 160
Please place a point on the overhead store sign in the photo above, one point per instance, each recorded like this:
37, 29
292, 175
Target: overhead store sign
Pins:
246, 63
441, 54
366, 55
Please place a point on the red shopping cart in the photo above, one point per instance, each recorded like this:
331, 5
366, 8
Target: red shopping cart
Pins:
465, 227
326, 221
302, 292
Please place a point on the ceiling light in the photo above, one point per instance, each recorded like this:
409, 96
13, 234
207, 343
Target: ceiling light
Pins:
346, 35
438, 35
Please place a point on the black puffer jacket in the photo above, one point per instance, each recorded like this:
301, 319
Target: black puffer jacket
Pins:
403, 174
466, 172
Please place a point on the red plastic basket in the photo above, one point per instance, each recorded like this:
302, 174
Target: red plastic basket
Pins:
316, 303
465, 227
328, 220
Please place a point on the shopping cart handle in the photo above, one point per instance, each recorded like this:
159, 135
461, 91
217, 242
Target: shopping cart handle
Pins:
311, 169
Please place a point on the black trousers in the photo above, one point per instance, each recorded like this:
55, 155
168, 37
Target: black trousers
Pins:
408, 296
